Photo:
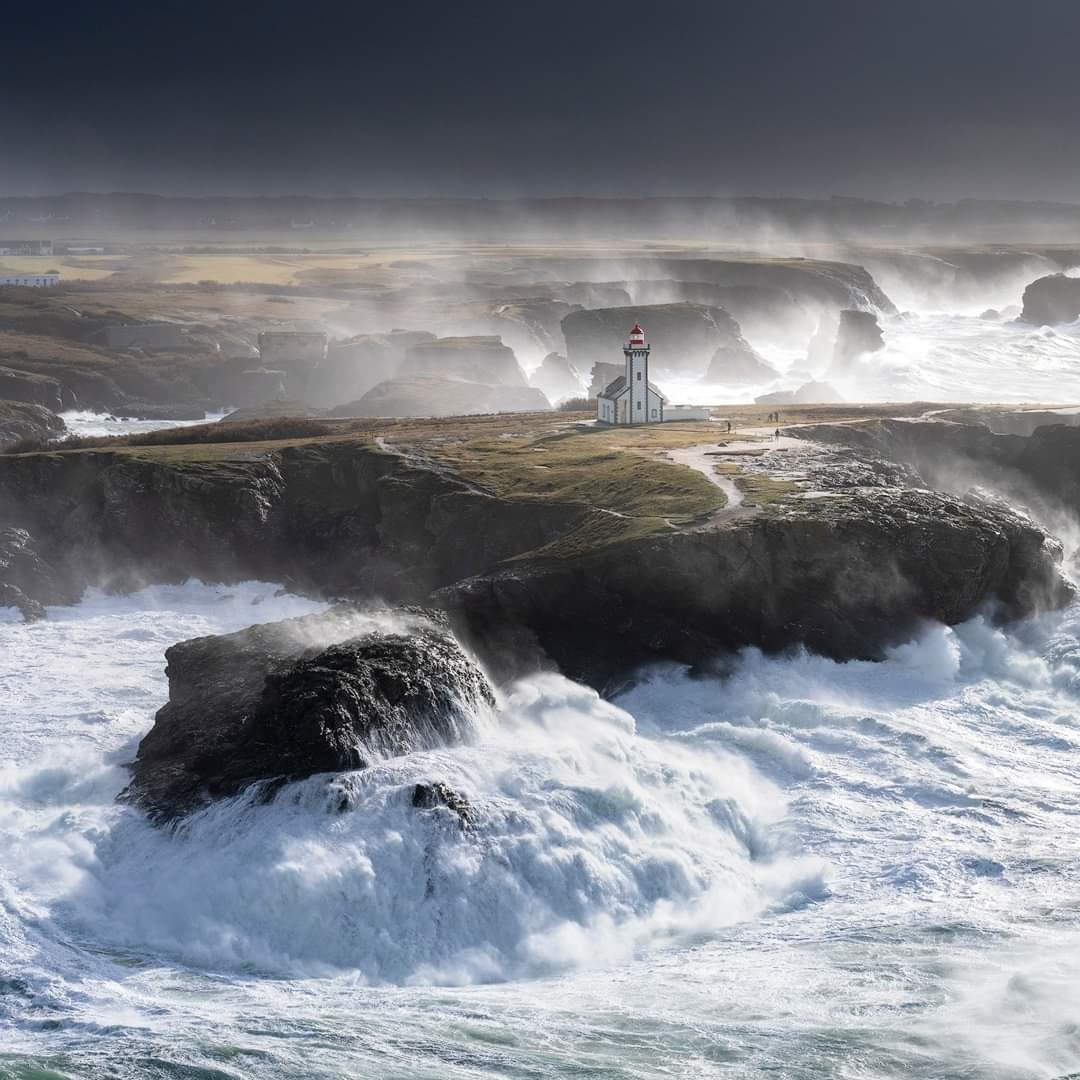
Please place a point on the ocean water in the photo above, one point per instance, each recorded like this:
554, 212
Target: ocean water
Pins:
83, 422
801, 868
798, 869
928, 356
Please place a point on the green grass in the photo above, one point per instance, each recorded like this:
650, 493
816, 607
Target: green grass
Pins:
588, 470
761, 490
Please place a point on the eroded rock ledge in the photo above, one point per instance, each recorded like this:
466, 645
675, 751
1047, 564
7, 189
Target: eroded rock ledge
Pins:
286, 700
846, 570
845, 573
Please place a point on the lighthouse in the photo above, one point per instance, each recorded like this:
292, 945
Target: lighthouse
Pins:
631, 398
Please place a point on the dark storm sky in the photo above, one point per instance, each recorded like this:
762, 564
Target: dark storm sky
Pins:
881, 98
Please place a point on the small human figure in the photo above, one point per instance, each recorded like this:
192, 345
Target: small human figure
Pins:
776, 434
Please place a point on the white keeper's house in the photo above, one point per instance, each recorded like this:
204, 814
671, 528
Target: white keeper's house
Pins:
631, 398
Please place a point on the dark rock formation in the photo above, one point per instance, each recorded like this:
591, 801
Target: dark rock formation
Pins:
1051, 458
557, 379
341, 517
27, 581
18, 420
1041, 470
34, 389
1051, 299
991, 315
858, 334
430, 396
287, 700
943, 454
436, 794
473, 359
684, 337
845, 575
1006, 421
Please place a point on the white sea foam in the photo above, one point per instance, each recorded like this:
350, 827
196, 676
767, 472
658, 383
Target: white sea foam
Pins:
799, 865
928, 356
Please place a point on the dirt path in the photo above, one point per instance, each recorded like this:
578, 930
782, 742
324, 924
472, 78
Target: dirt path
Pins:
703, 458
697, 458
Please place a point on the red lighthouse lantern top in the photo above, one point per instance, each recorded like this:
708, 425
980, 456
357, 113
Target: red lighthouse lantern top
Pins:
637, 337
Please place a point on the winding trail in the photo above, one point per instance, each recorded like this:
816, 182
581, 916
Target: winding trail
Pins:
699, 459
702, 458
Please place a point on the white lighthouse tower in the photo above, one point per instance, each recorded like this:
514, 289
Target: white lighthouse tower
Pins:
631, 398
636, 352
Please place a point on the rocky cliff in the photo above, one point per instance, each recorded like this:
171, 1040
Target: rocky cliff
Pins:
1040, 470
22, 420
427, 395
846, 574
474, 359
546, 572
684, 337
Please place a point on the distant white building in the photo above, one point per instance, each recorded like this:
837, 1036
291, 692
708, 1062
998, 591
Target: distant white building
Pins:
31, 281
631, 398
26, 247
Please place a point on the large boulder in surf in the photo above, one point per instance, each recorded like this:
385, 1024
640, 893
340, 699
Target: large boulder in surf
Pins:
684, 337
1051, 299
473, 359
286, 700
430, 396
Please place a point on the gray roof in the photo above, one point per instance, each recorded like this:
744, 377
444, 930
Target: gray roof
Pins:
617, 386
614, 388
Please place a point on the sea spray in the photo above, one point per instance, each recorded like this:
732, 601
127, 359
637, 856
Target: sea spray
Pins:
800, 865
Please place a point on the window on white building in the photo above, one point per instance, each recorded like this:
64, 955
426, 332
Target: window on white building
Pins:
639, 376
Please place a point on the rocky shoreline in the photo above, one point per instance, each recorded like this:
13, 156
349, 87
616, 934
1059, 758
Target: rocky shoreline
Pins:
845, 571
837, 543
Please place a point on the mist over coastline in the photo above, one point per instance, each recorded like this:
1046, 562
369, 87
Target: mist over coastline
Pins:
540, 542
